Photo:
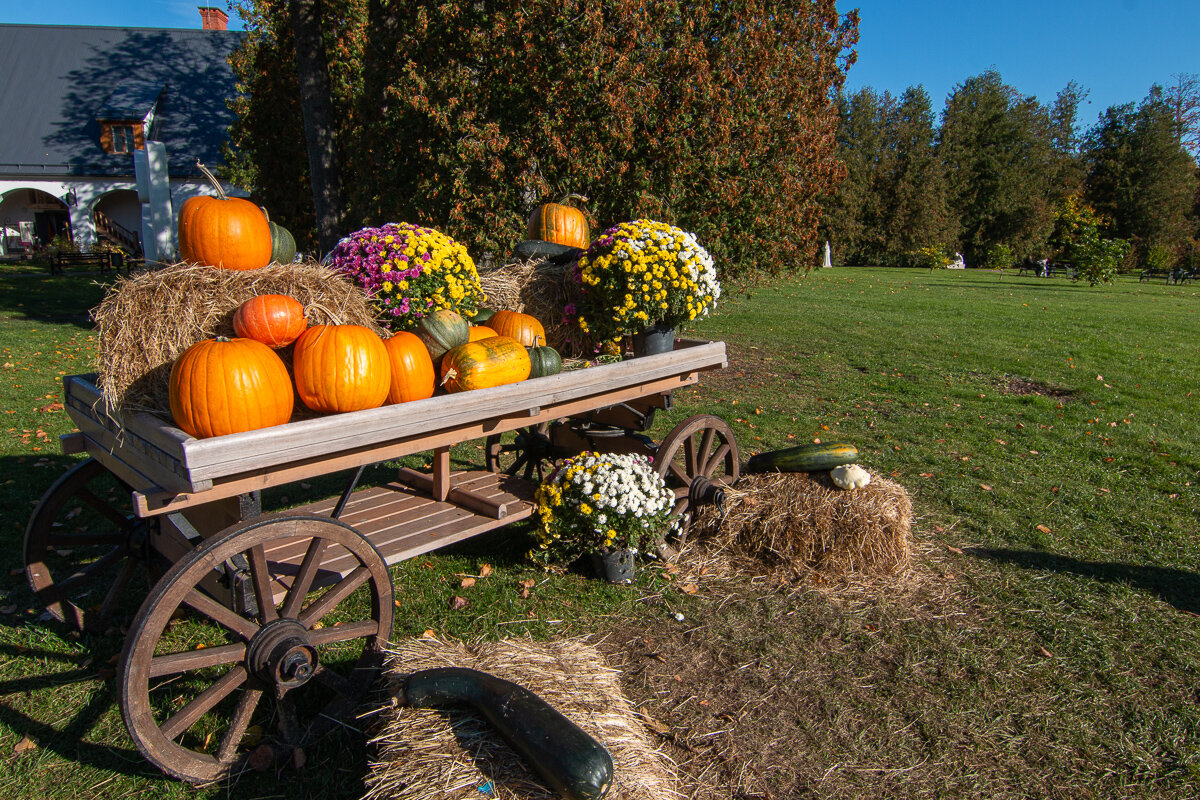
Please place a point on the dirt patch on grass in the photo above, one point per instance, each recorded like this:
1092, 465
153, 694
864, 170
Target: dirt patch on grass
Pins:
1012, 384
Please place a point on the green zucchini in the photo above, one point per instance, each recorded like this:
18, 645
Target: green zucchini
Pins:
805, 458
570, 761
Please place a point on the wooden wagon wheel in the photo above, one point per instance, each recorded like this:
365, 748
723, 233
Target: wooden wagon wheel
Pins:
528, 453
697, 459
221, 690
85, 550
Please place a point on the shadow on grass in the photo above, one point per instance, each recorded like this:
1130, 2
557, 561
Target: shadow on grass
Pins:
43, 298
69, 741
1178, 587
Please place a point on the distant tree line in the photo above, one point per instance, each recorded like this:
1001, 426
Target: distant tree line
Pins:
1002, 176
464, 115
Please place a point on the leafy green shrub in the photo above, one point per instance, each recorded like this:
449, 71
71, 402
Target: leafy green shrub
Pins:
931, 257
1097, 259
999, 256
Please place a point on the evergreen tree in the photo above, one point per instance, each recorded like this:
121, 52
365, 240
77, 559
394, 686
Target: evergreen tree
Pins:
997, 151
914, 191
1140, 179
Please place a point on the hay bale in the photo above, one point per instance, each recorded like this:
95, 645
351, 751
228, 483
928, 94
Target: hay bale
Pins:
426, 753
149, 318
541, 288
804, 523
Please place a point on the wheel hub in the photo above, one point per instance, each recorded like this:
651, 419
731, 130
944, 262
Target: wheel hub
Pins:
280, 654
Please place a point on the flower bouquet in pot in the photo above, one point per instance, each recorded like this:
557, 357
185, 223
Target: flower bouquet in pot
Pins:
601, 504
410, 272
643, 276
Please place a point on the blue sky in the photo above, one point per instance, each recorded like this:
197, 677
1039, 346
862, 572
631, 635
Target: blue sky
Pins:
1114, 48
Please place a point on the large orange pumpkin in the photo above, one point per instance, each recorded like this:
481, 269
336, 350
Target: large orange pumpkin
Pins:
225, 232
412, 368
276, 320
221, 386
525, 328
561, 224
341, 368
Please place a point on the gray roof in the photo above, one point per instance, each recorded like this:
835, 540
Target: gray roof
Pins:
57, 79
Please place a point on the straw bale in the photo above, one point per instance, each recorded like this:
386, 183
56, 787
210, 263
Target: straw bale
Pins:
803, 523
540, 288
428, 753
147, 319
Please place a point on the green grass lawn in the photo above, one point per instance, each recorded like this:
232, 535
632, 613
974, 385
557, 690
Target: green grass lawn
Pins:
1046, 430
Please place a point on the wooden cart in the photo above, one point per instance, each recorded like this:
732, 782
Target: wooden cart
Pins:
252, 634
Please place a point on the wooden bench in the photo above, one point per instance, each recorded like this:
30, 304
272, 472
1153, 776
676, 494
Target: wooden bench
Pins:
1151, 274
104, 261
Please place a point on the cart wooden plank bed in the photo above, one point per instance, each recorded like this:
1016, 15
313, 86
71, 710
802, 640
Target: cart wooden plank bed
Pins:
267, 600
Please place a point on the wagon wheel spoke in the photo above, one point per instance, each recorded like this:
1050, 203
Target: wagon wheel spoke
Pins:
334, 681
69, 540
63, 589
238, 724
526, 455
706, 454
339, 592
120, 583
718, 456
289, 724
343, 633
198, 601
689, 456
103, 508
188, 660
204, 702
260, 576
294, 682
304, 578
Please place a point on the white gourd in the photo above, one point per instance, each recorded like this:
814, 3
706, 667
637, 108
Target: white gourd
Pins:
850, 476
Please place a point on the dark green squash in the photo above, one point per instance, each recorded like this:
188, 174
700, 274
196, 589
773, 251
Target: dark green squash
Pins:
283, 244
570, 761
805, 458
441, 331
544, 360
482, 316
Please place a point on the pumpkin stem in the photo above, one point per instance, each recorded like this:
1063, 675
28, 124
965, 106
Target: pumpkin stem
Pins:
334, 318
572, 196
212, 179
450, 375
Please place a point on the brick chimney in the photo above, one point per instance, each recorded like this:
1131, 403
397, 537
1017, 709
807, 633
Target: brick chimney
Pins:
214, 19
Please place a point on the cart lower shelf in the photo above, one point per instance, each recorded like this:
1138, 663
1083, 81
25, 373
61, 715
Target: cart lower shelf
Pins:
402, 522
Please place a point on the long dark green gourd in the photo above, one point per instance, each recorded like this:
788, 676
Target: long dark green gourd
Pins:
804, 458
570, 761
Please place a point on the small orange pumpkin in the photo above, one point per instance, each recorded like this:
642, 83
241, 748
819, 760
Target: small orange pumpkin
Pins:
477, 332
341, 368
276, 320
525, 328
224, 232
220, 386
412, 368
495, 361
561, 224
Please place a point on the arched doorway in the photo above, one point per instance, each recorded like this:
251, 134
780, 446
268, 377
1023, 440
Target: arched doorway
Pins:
31, 218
